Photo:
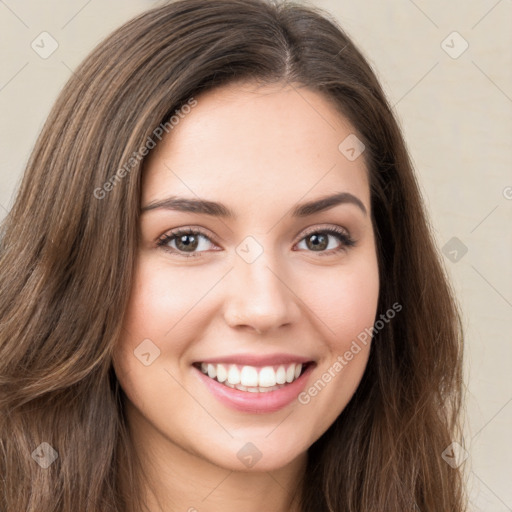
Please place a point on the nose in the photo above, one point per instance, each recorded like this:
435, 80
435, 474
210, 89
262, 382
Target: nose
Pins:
259, 297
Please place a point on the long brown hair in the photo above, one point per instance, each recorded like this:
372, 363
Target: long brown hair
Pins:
67, 255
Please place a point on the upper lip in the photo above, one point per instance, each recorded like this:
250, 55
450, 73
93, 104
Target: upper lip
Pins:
257, 360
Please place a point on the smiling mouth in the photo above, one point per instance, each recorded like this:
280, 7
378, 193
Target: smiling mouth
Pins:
254, 379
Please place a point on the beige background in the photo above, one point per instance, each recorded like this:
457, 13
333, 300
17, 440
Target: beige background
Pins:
456, 114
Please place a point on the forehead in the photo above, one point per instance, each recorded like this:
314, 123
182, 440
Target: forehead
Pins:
244, 144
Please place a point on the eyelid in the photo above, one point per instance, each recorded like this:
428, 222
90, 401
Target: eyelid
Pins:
333, 230
206, 233
189, 228
320, 227
341, 233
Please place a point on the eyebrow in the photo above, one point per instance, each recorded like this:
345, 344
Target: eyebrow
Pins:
202, 206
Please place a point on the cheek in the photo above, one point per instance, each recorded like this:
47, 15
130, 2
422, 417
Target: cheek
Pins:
164, 300
344, 299
347, 307
166, 306
353, 306
344, 302
161, 318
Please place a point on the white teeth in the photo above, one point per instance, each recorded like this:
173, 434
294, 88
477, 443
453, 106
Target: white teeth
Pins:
281, 375
233, 375
222, 373
212, 371
267, 377
251, 378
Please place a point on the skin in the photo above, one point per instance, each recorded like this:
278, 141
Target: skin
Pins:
260, 151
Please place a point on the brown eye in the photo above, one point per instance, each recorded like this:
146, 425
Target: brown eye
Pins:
317, 242
320, 241
186, 243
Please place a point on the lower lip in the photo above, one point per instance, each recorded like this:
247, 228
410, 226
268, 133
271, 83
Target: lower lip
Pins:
267, 401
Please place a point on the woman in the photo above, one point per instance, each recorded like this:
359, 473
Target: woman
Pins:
219, 287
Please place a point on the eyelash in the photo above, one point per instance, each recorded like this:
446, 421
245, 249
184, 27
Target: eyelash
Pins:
346, 240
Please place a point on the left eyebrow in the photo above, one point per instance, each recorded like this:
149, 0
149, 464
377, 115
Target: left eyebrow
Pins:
215, 209
327, 202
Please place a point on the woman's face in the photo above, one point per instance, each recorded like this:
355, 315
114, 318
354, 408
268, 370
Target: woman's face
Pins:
275, 290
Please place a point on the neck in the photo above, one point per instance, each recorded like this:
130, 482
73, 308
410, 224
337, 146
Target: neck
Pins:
177, 480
